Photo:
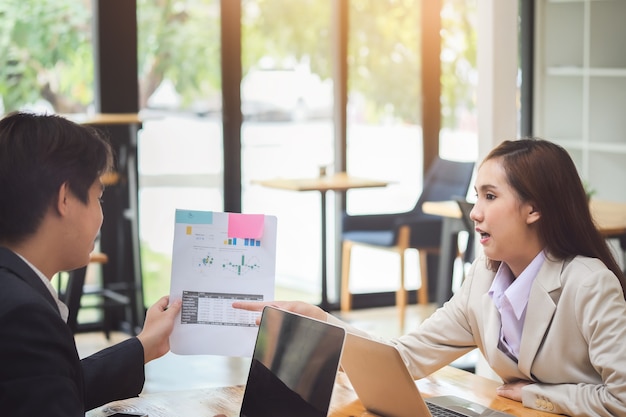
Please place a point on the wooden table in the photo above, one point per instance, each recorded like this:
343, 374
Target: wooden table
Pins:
107, 119
452, 225
339, 182
210, 402
442, 208
610, 218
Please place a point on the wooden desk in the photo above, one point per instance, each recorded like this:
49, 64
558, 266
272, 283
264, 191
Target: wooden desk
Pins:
340, 182
210, 402
610, 218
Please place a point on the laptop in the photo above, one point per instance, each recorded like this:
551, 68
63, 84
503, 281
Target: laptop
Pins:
384, 385
294, 366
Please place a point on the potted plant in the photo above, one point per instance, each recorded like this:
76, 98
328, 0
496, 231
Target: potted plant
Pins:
589, 190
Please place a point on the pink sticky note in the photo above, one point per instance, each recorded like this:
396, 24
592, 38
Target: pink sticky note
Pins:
245, 225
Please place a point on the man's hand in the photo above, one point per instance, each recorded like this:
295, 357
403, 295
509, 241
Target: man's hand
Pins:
155, 336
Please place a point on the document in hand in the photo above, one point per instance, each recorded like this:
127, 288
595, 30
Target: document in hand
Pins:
219, 258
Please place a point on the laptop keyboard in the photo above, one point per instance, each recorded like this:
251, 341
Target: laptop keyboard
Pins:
439, 411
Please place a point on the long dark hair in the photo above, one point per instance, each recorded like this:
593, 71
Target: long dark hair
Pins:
543, 173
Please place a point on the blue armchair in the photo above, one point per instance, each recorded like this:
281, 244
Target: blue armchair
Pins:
397, 232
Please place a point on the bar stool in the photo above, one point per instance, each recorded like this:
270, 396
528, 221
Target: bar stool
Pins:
76, 289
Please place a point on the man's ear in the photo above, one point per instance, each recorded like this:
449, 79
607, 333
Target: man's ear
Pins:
63, 199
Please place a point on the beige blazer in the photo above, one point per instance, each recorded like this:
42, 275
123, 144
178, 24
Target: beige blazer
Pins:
573, 344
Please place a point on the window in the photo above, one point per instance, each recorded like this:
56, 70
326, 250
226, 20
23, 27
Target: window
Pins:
180, 145
48, 56
287, 103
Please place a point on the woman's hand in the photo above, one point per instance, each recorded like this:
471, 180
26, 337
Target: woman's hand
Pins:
512, 390
298, 307
155, 335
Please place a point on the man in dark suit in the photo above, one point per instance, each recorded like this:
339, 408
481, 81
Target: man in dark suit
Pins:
50, 215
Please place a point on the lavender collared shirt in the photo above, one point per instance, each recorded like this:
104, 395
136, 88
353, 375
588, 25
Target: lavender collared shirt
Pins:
510, 296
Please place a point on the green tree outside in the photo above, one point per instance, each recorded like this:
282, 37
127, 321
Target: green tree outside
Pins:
46, 50
46, 47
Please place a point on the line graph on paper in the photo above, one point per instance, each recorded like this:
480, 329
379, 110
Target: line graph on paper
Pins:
209, 261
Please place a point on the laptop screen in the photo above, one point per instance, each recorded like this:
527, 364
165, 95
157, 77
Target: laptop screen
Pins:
294, 365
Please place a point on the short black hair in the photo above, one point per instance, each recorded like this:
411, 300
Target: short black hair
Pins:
39, 153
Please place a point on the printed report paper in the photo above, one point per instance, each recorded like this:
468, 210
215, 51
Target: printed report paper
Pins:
219, 258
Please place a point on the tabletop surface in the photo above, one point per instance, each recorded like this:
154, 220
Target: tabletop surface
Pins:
226, 401
106, 118
610, 216
340, 181
442, 208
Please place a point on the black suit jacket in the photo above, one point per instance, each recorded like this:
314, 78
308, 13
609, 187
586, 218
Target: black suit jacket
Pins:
40, 371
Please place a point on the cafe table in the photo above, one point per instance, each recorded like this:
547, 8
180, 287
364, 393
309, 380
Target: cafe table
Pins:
226, 401
610, 218
337, 182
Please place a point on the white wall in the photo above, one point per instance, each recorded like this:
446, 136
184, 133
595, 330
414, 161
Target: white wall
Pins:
497, 87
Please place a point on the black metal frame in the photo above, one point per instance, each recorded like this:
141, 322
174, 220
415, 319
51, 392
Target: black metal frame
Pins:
117, 91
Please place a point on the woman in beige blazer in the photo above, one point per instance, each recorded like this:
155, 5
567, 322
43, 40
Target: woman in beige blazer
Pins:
544, 304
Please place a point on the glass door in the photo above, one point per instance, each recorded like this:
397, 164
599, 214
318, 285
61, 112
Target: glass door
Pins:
180, 145
385, 115
384, 136
287, 104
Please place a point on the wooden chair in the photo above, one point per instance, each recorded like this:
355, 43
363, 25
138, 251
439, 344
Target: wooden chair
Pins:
402, 244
